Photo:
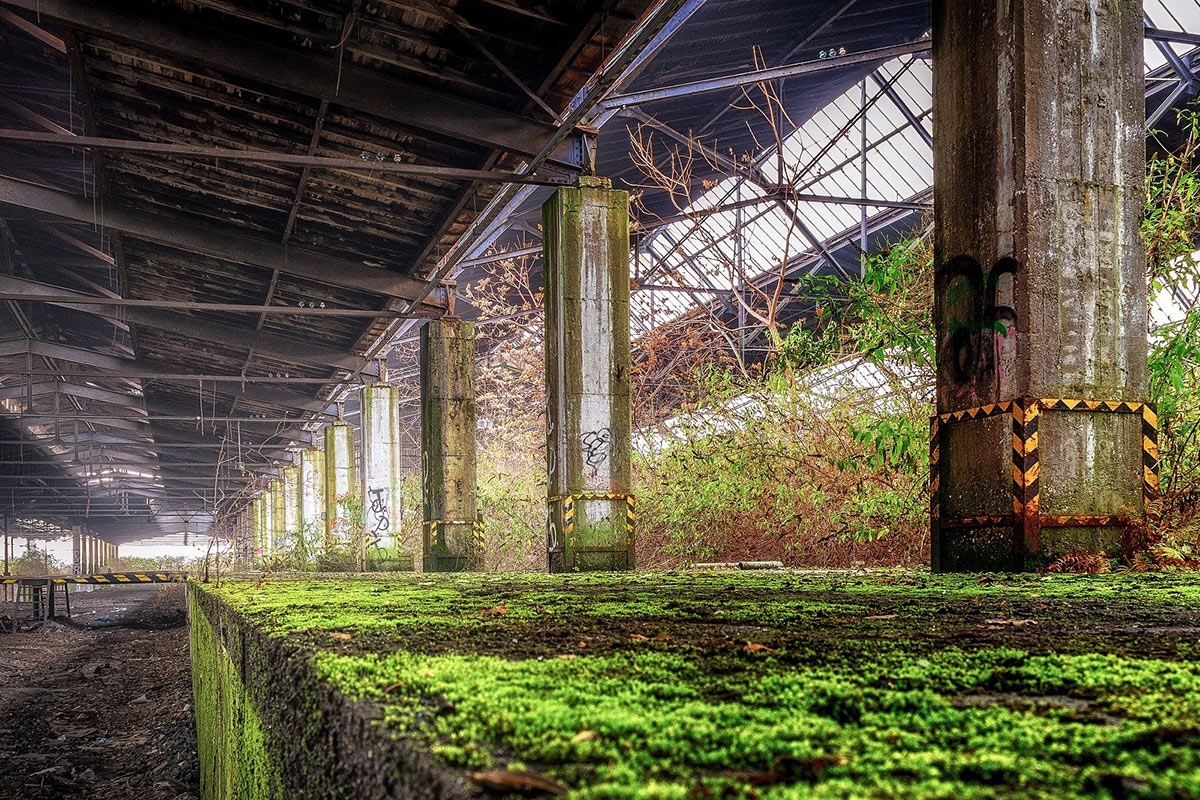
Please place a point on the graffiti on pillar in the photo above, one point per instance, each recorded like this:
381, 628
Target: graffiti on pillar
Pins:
976, 345
596, 445
551, 450
377, 500
551, 529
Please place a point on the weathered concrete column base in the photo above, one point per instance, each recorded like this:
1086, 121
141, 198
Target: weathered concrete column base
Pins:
452, 530
1026, 526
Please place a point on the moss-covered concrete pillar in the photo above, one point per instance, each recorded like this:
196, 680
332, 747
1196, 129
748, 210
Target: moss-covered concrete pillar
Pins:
289, 525
312, 498
341, 487
586, 274
452, 538
259, 528
381, 474
1040, 301
274, 517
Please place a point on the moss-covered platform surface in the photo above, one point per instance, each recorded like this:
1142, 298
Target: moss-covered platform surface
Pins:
772, 685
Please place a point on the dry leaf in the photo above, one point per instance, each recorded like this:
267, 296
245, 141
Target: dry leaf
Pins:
582, 644
341, 637
568, 656
585, 736
637, 637
393, 687
1016, 623
662, 637
755, 647
883, 616
500, 609
506, 780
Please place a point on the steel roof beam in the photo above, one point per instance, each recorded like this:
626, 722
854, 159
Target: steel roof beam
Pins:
385, 96
252, 389
225, 245
193, 327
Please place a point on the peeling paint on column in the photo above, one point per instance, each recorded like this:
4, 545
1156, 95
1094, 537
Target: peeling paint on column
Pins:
452, 533
586, 269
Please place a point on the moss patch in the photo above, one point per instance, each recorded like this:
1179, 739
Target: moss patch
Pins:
891, 684
234, 759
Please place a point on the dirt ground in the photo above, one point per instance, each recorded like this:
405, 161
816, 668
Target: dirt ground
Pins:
99, 705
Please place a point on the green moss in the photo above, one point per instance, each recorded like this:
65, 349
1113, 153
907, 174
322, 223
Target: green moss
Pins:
233, 751
778, 685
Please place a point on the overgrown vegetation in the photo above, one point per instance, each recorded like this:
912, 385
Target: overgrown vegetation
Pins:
890, 684
1170, 230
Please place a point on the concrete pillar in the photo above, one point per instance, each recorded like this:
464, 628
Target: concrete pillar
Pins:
586, 274
261, 504
274, 516
312, 499
341, 486
381, 475
452, 534
76, 550
1040, 301
289, 525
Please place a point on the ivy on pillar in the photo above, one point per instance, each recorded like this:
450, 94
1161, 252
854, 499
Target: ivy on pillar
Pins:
590, 519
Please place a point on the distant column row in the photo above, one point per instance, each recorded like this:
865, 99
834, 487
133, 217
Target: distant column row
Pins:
324, 512
89, 554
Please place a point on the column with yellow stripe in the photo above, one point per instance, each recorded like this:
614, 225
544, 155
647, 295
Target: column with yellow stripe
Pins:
586, 274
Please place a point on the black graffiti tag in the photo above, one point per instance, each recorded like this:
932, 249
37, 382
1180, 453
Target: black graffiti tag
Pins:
595, 447
379, 508
970, 344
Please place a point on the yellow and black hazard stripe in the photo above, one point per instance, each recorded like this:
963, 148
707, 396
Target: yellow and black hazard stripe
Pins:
1150, 461
103, 578
935, 467
978, 412
568, 511
1026, 467
1027, 518
1090, 406
434, 526
125, 577
981, 521
630, 518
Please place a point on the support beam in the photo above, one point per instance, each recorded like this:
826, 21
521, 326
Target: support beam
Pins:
226, 245
590, 517
389, 97
452, 540
1040, 301
194, 327
880, 55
